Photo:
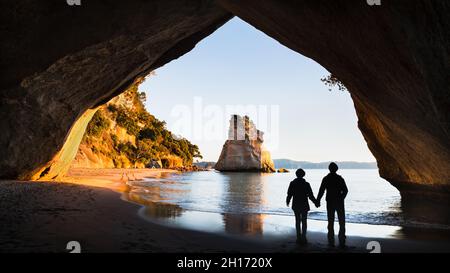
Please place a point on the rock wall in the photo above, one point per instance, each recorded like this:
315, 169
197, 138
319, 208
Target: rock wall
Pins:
60, 163
60, 61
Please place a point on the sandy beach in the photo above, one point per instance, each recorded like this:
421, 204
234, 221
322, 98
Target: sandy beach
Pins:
115, 179
89, 208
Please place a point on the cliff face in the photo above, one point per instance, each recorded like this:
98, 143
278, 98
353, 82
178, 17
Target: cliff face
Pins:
243, 151
60, 163
122, 134
241, 155
59, 63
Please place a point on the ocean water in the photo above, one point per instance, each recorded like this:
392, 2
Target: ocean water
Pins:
255, 202
370, 200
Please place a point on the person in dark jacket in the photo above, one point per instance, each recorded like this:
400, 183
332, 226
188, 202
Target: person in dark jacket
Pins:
300, 191
336, 190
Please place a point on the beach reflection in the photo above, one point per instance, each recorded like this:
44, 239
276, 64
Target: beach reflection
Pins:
253, 225
155, 197
243, 194
243, 224
155, 210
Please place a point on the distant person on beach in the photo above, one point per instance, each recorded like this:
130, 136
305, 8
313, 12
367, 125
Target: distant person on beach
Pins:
336, 190
300, 191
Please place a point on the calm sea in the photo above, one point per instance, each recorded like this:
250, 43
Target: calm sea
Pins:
255, 202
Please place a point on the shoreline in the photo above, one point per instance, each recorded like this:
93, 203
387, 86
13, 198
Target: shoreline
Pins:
44, 216
114, 179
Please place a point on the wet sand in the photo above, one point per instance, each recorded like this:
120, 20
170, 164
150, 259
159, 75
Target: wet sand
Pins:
45, 216
115, 179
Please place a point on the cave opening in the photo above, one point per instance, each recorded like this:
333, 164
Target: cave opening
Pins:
194, 94
240, 66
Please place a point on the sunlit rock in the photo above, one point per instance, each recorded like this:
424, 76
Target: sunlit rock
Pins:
244, 151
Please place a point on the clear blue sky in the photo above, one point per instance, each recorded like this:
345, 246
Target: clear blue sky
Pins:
238, 64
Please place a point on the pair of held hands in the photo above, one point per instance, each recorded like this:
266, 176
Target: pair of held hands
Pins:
316, 203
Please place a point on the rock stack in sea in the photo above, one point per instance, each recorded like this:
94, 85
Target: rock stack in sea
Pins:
243, 150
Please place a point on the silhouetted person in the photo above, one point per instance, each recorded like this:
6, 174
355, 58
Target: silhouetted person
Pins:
300, 191
336, 189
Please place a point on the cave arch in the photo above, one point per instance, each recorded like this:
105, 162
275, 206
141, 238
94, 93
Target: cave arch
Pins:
60, 61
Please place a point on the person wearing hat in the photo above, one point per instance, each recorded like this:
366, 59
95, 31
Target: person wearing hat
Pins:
299, 190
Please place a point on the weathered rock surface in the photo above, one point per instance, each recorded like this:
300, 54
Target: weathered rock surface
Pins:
244, 150
241, 155
58, 61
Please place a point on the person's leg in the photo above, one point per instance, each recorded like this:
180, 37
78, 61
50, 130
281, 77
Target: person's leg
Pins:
304, 225
341, 217
330, 216
297, 224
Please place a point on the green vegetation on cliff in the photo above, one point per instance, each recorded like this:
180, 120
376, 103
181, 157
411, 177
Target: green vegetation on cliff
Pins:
123, 134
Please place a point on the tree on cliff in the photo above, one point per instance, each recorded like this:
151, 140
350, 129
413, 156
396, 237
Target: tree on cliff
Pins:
332, 81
